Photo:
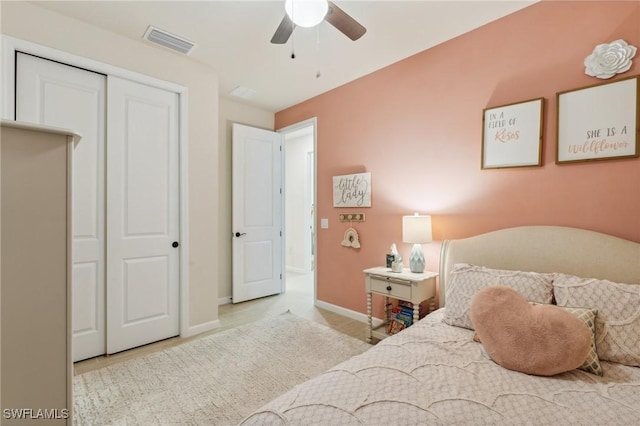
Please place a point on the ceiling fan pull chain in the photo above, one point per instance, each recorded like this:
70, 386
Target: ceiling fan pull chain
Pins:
293, 49
293, 36
318, 51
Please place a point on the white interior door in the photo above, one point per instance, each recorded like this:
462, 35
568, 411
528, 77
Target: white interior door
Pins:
142, 215
59, 95
257, 217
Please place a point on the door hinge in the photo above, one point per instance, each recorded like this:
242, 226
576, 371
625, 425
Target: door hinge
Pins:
281, 233
280, 276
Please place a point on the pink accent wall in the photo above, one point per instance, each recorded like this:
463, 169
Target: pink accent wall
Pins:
417, 127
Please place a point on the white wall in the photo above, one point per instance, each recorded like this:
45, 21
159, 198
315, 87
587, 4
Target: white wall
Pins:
231, 112
32, 23
297, 203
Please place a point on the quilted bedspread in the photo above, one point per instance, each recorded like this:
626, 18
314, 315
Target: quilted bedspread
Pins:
433, 373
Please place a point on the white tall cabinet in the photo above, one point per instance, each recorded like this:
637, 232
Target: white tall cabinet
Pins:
35, 273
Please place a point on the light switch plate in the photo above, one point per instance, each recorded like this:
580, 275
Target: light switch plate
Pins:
324, 223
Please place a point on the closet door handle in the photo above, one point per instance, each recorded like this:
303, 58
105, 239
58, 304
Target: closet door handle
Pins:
175, 244
238, 234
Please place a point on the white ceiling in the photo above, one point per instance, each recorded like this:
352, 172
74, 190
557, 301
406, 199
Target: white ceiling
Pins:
233, 38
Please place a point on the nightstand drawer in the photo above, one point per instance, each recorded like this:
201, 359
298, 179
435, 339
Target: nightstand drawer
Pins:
393, 288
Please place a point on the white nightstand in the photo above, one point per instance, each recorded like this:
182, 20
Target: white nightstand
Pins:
405, 285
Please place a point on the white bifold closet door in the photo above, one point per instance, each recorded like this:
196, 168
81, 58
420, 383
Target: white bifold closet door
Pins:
142, 215
62, 96
125, 200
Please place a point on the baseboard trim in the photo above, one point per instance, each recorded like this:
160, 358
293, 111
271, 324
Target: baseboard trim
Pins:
358, 316
201, 328
224, 300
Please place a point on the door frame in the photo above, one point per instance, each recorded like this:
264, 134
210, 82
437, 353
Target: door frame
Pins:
313, 121
10, 45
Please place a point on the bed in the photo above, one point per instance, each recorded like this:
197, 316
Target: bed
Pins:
435, 373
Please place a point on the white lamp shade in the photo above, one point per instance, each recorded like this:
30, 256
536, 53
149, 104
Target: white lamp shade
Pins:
416, 229
306, 13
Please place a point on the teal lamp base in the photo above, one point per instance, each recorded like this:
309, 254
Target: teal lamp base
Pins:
416, 259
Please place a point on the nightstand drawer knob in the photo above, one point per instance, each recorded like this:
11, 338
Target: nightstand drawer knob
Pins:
388, 288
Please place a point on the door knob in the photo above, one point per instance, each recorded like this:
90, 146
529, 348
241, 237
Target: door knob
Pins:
175, 244
238, 234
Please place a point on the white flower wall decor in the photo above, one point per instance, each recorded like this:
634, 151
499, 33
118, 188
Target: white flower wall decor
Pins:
610, 59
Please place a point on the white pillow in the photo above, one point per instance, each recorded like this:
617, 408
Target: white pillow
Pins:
618, 320
466, 280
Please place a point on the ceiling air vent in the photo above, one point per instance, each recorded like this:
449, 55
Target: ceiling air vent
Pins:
168, 40
243, 92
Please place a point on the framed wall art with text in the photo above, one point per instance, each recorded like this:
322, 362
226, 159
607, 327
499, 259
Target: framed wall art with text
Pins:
352, 190
599, 122
512, 135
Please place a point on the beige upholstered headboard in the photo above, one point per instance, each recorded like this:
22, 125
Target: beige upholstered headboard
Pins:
572, 251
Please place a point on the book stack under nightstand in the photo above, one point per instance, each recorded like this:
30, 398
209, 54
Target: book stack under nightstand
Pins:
401, 316
405, 286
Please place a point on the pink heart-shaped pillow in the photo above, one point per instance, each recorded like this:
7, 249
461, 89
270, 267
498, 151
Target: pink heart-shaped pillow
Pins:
535, 339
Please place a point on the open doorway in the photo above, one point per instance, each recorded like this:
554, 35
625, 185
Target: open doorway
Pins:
299, 179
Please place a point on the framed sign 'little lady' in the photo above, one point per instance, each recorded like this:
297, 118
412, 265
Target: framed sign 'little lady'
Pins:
352, 190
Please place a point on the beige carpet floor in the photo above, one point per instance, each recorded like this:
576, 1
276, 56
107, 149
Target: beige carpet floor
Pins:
216, 380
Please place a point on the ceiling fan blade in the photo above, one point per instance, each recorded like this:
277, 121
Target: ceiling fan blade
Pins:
344, 23
284, 31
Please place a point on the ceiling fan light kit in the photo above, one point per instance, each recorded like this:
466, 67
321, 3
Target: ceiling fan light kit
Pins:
309, 13
306, 13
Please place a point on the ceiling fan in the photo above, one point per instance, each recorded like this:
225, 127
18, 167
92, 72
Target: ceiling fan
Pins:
309, 13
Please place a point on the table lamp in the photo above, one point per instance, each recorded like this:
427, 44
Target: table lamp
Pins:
416, 229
